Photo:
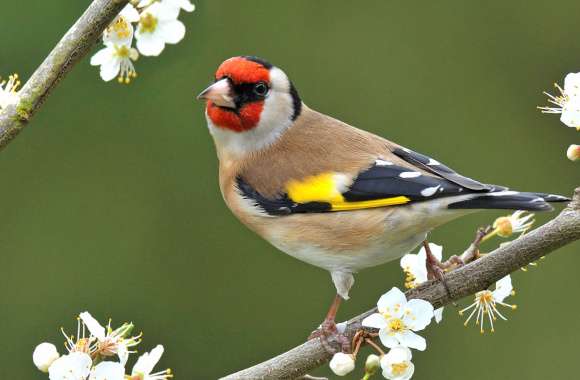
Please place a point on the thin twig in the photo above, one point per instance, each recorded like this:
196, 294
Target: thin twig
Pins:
468, 279
73, 46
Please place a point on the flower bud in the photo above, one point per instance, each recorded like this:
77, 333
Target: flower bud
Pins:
573, 152
43, 356
342, 364
372, 364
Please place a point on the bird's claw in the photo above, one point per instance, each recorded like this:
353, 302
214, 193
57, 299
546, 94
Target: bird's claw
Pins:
330, 337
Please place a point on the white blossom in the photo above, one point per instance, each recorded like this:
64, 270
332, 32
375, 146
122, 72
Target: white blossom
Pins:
158, 25
486, 304
44, 355
342, 364
567, 102
9, 91
74, 366
415, 268
120, 31
397, 365
145, 364
519, 221
111, 342
116, 60
398, 318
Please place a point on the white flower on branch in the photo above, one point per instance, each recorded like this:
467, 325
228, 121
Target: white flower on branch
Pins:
111, 342
116, 60
567, 102
145, 364
415, 268
120, 31
341, 364
74, 366
44, 355
398, 318
486, 304
158, 25
573, 152
9, 91
518, 222
397, 365
108, 371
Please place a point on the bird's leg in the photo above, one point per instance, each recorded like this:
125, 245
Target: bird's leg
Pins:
435, 269
328, 330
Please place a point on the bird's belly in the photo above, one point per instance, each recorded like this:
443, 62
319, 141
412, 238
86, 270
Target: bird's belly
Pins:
348, 241
383, 250
351, 240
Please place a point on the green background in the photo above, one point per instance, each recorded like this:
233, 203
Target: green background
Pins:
110, 201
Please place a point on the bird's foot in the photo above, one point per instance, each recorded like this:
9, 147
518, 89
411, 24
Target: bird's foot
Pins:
436, 269
330, 337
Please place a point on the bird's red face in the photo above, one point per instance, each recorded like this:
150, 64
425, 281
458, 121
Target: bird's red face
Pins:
236, 100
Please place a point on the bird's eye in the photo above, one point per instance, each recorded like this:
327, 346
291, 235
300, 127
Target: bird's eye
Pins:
261, 89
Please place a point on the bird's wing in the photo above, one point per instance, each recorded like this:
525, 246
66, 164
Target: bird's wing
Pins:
322, 164
382, 184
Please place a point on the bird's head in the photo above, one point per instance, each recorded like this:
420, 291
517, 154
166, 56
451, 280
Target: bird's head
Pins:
250, 104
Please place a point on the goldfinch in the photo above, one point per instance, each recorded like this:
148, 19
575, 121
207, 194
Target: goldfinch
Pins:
323, 191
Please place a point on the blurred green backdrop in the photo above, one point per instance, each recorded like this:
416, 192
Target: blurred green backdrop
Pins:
110, 199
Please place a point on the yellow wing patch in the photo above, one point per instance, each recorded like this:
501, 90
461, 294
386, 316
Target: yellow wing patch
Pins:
328, 188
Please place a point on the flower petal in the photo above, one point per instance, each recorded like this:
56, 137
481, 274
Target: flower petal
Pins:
418, 314
375, 320
503, 288
147, 361
92, 324
387, 339
398, 354
110, 69
108, 371
412, 340
76, 365
172, 32
438, 314
101, 56
130, 13
149, 44
392, 302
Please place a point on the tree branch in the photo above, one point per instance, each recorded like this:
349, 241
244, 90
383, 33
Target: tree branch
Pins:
73, 46
469, 279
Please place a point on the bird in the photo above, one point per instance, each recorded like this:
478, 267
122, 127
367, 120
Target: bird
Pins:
325, 192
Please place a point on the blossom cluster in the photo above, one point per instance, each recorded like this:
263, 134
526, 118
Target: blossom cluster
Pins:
398, 319
156, 24
567, 103
99, 353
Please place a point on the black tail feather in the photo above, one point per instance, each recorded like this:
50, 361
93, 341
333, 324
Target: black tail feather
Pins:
510, 200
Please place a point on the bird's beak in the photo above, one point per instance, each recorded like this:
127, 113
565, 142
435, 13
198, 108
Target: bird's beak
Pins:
220, 93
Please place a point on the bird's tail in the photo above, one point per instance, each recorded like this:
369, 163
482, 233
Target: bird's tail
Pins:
511, 200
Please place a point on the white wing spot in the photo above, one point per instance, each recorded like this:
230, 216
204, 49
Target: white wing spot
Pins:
429, 191
409, 174
502, 193
433, 162
537, 200
381, 162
